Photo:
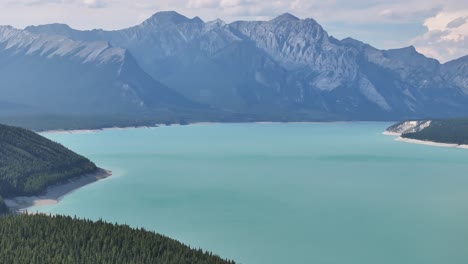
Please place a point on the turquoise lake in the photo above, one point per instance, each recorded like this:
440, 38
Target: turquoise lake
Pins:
339, 193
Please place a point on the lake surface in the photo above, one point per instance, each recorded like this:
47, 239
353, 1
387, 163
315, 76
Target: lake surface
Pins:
338, 193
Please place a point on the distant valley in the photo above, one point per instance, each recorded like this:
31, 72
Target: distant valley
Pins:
173, 69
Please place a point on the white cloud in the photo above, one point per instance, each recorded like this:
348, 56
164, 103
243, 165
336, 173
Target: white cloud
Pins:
203, 4
94, 3
351, 12
446, 37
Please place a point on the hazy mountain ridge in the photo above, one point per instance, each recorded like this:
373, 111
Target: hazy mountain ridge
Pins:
456, 72
25, 43
52, 74
286, 66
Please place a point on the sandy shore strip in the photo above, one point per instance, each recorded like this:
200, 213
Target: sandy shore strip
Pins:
54, 194
84, 131
423, 142
388, 133
428, 143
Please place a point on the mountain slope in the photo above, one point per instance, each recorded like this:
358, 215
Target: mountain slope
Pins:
29, 163
43, 74
60, 239
302, 69
3, 207
456, 73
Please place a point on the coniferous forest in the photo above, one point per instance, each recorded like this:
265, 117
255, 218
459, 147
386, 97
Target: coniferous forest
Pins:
3, 208
29, 163
452, 131
61, 239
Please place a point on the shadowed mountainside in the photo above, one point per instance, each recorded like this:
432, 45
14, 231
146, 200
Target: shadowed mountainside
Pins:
286, 67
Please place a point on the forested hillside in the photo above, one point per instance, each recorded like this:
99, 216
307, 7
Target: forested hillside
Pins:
60, 239
453, 131
29, 163
3, 207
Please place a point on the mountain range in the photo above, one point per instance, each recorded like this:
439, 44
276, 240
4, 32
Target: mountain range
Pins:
285, 69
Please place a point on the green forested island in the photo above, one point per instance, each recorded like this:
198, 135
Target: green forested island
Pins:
61, 239
451, 131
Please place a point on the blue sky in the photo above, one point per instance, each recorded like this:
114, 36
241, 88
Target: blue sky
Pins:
437, 28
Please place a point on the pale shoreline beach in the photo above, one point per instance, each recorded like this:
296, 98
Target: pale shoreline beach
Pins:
55, 193
423, 142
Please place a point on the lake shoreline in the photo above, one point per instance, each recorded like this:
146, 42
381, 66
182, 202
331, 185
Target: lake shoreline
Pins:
423, 142
83, 131
311, 183
54, 194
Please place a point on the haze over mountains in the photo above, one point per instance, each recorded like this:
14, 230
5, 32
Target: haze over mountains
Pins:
54, 74
286, 69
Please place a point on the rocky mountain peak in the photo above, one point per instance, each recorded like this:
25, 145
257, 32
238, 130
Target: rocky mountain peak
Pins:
216, 22
351, 42
285, 17
197, 20
170, 17
410, 57
462, 60
286, 60
410, 50
59, 29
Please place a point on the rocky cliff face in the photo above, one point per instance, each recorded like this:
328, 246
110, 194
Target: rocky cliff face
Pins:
408, 127
456, 73
286, 67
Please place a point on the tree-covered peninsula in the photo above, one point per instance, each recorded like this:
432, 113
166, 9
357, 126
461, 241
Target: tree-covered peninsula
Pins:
450, 131
29, 163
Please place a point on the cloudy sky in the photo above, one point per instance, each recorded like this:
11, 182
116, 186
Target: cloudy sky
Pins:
437, 28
